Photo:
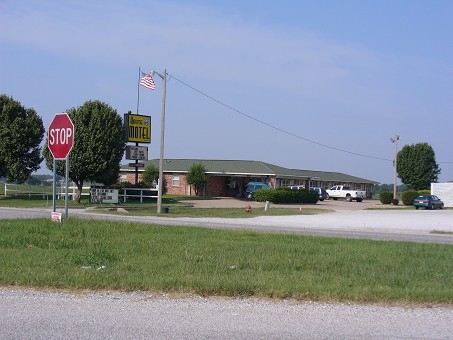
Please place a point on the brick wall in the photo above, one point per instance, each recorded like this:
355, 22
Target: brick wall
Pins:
215, 187
182, 189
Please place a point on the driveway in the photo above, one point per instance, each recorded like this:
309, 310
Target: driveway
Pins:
229, 202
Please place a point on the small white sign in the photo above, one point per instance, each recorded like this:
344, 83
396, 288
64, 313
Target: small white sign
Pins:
100, 195
56, 216
137, 152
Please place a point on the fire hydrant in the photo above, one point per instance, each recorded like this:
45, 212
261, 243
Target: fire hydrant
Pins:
248, 208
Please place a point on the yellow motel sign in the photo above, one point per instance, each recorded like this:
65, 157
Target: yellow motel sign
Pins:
138, 128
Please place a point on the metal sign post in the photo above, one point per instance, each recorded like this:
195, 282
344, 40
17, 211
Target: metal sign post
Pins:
60, 140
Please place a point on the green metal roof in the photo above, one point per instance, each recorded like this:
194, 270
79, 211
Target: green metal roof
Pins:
252, 168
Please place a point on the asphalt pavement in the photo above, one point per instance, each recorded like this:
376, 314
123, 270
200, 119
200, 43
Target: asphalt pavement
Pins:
345, 219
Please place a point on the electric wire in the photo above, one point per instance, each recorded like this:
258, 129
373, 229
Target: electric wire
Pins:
273, 126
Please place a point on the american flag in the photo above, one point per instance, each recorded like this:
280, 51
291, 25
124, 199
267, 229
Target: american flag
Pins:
147, 81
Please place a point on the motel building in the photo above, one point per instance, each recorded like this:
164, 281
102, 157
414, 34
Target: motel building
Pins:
227, 178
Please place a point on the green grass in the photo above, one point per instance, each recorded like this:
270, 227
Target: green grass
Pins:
149, 208
179, 210
104, 255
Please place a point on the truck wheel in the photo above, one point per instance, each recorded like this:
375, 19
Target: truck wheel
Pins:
359, 199
348, 198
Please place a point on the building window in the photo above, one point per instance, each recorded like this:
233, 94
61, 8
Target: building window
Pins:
285, 182
175, 180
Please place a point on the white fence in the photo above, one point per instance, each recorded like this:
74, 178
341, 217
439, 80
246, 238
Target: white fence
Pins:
45, 191
24, 189
444, 191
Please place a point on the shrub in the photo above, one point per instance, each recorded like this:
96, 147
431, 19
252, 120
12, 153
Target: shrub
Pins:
395, 201
424, 192
386, 197
408, 197
264, 195
286, 195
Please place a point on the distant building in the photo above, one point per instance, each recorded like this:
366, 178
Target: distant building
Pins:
227, 178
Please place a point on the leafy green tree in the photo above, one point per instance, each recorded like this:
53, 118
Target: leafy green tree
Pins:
417, 167
21, 133
197, 177
99, 143
150, 174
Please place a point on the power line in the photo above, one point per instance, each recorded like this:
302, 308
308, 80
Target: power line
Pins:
277, 128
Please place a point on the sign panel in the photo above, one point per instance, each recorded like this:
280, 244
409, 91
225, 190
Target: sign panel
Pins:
60, 136
137, 165
138, 128
137, 152
101, 195
55, 216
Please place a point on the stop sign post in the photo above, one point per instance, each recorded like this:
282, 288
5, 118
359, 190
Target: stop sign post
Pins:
60, 140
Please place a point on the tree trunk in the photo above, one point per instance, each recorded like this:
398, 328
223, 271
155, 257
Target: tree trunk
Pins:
79, 191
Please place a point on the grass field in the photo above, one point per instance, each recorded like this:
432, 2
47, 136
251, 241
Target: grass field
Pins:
105, 255
176, 205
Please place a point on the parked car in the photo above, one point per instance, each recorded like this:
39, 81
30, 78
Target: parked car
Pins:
252, 187
321, 192
428, 202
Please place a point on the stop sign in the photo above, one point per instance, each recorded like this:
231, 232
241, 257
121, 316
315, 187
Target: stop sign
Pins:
60, 136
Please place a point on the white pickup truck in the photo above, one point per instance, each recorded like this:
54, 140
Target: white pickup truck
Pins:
342, 191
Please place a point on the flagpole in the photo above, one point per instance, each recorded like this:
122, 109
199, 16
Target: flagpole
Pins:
138, 87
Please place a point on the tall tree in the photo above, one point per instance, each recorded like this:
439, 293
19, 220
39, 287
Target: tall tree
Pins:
99, 142
150, 174
196, 176
417, 167
21, 133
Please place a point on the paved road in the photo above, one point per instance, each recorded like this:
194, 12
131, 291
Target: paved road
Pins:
139, 315
393, 224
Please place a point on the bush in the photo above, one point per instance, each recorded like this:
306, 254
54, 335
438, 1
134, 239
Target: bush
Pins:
386, 197
424, 192
408, 197
395, 201
286, 195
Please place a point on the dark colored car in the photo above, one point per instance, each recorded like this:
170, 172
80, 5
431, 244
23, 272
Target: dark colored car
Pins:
321, 192
252, 187
428, 202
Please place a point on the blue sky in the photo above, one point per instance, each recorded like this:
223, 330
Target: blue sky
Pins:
318, 85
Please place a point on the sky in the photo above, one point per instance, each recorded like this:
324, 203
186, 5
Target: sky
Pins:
313, 85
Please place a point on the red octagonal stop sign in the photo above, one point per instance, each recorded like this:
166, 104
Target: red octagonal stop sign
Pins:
60, 136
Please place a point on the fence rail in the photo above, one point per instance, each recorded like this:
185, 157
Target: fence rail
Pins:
12, 189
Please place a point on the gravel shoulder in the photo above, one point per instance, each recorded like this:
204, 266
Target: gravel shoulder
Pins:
27, 314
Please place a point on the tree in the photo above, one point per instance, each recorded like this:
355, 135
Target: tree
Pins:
417, 167
21, 133
150, 174
99, 142
197, 176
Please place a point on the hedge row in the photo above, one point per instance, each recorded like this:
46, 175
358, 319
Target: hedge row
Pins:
407, 197
286, 195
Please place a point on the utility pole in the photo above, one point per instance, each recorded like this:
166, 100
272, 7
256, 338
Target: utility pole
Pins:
162, 139
395, 140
